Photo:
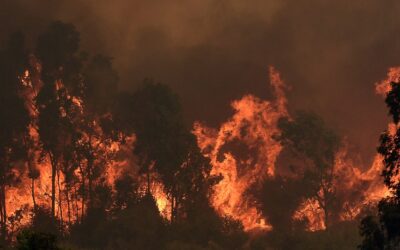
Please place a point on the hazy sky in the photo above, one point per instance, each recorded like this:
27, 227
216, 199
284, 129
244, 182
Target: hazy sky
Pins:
213, 51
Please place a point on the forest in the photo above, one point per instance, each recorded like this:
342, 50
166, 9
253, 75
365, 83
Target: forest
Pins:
87, 165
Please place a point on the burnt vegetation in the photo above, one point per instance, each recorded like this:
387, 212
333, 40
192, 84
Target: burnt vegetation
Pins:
124, 169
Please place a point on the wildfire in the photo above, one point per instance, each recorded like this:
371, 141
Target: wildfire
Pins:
384, 86
34, 189
250, 129
368, 184
242, 151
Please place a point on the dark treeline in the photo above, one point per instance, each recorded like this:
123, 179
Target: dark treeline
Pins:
71, 100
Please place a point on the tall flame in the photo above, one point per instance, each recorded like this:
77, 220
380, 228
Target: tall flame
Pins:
252, 127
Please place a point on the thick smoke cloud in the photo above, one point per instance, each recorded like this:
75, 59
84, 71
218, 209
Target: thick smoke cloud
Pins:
211, 52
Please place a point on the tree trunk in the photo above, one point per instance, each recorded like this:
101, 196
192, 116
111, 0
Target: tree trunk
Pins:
68, 204
59, 198
148, 181
90, 179
76, 204
83, 193
3, 214
53, 184
33, 193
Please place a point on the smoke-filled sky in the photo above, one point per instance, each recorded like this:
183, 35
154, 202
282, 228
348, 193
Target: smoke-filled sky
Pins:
214, 51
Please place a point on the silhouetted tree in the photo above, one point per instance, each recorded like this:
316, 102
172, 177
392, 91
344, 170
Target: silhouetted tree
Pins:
57, 50
311, 139
126, 191
153, 113
14, 117
384, 232
92, 230
42, 221
99, 93
279, 197
138, 226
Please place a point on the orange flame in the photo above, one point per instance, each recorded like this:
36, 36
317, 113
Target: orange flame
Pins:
384, 86
253, 124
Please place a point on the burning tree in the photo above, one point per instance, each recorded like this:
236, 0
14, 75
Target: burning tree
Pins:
14, 120
309, 138
166, 149
385, 233
57, 49
74, 121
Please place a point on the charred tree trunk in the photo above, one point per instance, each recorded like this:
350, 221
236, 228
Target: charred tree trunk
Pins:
67, 190
33, 193
83, 192
59, 198
3, 213
172, 209
148, 181
76, 203
173, 204
147, 165
32, 170
90, 182
53, 184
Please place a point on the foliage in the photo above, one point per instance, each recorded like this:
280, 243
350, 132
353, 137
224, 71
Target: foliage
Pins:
29, 240
383, 232
312, 140
14, 118
279, 197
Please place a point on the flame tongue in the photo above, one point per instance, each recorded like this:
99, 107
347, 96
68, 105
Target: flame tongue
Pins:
252, 127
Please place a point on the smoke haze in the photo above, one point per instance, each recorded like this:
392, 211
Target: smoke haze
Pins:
214, 51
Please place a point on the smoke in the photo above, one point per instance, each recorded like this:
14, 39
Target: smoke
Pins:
212, 52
